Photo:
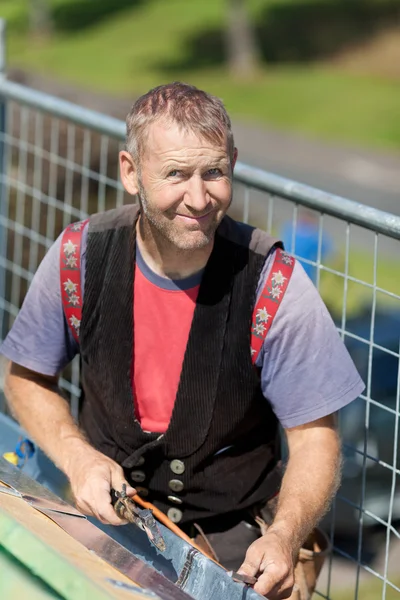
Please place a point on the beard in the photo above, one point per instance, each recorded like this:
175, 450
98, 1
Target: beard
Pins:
165, 229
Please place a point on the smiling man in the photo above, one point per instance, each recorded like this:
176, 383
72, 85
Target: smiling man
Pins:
183, 384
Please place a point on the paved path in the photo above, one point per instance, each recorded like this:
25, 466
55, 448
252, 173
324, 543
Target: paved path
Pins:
369, 177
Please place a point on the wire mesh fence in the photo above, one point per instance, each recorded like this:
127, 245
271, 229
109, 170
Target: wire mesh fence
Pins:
59, 164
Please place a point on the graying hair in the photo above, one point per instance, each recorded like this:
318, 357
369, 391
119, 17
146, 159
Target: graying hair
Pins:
192, 109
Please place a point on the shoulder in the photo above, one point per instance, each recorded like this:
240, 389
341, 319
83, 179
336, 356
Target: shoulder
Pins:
296, 301
300, 307
306, 371
247, 237
287, 266
123, 216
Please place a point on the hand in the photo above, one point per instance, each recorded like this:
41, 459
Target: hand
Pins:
271, 559
92, 476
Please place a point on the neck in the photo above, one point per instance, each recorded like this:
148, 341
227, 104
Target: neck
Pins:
164, 258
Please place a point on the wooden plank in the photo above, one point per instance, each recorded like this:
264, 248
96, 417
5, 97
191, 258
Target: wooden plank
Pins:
59, 560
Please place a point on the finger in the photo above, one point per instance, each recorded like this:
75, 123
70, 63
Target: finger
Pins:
110, 518
266, 586
118, 480
130, 491
105, 517
104, 510
106, 514
251, 564
271, 584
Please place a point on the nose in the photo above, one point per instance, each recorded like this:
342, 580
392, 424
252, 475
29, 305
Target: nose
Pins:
196, 197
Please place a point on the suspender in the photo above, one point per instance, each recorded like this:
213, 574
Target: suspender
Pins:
70, 275
263, 314
270, 299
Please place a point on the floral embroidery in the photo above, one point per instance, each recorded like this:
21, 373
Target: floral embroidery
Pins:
71, 262
262, 315
77, 226
70, 287
74, 300
71, 298
258, 329
286, 259
276, 293
69, 258
278, 278
75, 323
277, 281
69, 248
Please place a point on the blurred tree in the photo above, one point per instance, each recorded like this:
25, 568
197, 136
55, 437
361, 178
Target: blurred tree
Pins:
40, 18
241, 45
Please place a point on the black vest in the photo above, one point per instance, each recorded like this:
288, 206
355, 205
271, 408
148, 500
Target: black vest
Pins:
222, 428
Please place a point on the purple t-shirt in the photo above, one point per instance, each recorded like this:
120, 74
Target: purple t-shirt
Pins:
306, 371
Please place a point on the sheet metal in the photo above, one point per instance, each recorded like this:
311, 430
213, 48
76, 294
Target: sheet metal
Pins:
14, 482
116, 555
132, 588
31, 491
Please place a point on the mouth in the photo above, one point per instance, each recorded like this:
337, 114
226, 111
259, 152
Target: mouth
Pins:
195, 219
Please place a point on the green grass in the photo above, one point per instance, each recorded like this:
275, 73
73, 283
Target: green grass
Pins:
121, 55
368, 591
314, 100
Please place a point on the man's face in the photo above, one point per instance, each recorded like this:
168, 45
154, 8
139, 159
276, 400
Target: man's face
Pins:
185, 185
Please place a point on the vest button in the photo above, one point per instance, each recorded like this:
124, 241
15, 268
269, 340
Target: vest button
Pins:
176, 485
144, 492
140, 461
175, 499
175, 515
138, 476
177, 467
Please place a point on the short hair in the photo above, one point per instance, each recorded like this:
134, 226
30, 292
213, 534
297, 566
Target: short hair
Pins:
192, 109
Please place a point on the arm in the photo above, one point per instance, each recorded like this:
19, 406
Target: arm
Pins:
37, 403
311, 479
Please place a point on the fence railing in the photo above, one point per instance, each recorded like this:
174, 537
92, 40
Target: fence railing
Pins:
58, 164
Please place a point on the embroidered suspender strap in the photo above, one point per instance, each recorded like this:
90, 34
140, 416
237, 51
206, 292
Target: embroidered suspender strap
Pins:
70, 275
270, 299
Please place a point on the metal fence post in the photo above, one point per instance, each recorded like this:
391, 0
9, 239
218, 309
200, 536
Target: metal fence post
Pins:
3, 206
3, 173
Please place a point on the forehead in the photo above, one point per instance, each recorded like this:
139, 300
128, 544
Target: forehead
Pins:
167, 141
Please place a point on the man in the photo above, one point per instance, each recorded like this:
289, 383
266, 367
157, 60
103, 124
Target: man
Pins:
172, 400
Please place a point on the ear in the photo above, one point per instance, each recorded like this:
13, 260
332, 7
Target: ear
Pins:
129, 173
234, 159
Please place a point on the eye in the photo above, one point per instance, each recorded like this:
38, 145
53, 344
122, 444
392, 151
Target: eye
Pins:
214, 172
173, 173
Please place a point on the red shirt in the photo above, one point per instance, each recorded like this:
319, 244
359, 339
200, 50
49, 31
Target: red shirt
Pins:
162, 321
